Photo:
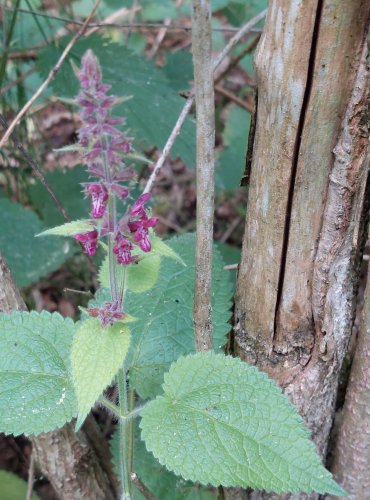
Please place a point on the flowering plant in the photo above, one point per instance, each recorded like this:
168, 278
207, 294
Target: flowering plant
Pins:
215, 420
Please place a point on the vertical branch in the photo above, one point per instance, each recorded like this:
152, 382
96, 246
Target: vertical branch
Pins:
351, 463
205, 119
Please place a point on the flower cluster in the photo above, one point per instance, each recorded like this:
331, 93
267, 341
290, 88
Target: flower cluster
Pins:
104, 148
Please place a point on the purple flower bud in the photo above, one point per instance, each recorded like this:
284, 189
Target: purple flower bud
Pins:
121, 191
109, 314
90, 74
89, 241
99, 197
137, 208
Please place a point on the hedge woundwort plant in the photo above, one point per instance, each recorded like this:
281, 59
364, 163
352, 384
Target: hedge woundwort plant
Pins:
215, 420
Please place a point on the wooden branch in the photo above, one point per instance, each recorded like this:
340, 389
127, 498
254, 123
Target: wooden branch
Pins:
50, 77
77, 466
304, 223
352, 451
205, 122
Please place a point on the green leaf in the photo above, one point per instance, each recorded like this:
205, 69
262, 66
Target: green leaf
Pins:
160, 481
154, 109
36, 390
13, 487
231, 163
160, 247
139, 277
27, 257
164, 329
97, 355
68, 229
223, 422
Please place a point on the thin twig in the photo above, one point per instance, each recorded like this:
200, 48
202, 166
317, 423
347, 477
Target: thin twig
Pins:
128, 26
235, 223
167, 148
190, 101
236, 60
205, 172
31, 480
51, 75
141, 487
36, 169
237, 37
231, 267
119, 13
160, 37
18, 80
243, 104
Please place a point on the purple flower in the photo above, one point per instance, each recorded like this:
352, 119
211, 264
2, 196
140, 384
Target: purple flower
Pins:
99, 197
89, 241
109, 314
139, 229
137, 208
122, 249
139, 222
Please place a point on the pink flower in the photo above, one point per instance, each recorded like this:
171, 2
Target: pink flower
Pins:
137, 208
99, 197
89, 241
122, 249
139, 229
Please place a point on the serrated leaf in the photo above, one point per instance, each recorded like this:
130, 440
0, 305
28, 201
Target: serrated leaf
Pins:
68, 229
223, 422
151, 113
36, 390
164, 329
97, 355
160, 481
27, 257
13, 487
160, 247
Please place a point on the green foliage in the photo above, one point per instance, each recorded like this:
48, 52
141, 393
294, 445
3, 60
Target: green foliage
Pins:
159, 480
68, 229
164, 328
232, 159
155, 106
36, 390
223, 422
97, 354
27, 257
13, 487
67, 186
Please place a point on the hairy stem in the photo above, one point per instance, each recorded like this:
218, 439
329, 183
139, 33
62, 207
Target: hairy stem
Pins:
124, 437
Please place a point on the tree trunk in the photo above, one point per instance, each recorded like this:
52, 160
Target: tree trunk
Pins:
305, 221
77, 465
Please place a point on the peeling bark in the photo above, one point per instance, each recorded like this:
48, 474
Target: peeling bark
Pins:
352, 451
305, 219
77, 465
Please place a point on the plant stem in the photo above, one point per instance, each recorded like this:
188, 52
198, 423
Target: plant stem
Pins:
110, 406
124, 437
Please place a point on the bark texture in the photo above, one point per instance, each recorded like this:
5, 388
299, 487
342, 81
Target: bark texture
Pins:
205, 115
305, 218
77, 465
352, 453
